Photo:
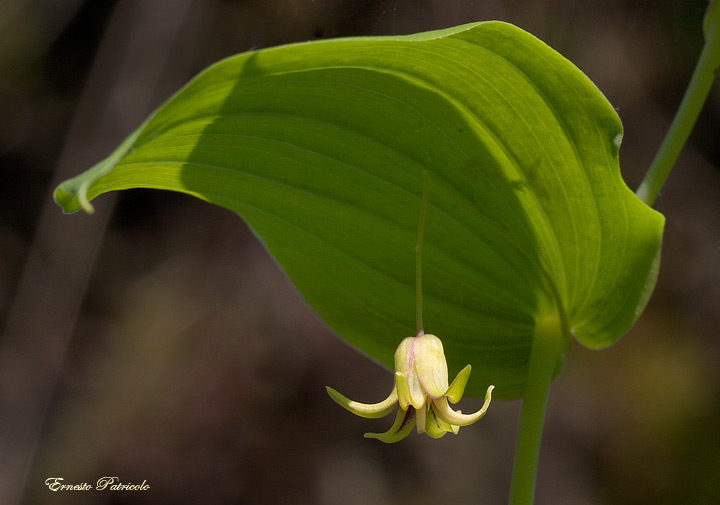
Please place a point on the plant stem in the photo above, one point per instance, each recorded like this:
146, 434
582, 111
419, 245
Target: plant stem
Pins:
687, 114
418, 255
548, 339
548, 346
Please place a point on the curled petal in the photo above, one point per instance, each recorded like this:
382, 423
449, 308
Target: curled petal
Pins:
446, 426
405, 394
369, 410
400, 429
457, 388
457, 418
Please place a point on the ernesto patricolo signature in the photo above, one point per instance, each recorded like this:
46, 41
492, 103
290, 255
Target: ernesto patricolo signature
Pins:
103, 483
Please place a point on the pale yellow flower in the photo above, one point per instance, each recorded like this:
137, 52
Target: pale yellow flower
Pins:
421, 390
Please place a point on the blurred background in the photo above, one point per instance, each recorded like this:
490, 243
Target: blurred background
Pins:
157, 341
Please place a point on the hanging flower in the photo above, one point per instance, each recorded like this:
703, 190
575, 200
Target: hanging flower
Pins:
421, 390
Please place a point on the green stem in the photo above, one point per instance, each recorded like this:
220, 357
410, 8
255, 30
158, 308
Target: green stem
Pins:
689, 110
547, 349
418, 255
548, 339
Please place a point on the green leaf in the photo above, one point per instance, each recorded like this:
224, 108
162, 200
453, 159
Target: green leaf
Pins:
320, 147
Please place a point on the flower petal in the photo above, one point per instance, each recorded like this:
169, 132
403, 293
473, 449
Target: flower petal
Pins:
446, 426
400, 429
457, 388
405, 396
369, 410
457, 418
436, 427
405, 364
404, 356
430, 365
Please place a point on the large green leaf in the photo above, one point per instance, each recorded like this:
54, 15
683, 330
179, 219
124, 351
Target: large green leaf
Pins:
320, 147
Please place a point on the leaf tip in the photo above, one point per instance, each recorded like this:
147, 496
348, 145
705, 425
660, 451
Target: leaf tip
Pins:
73, 198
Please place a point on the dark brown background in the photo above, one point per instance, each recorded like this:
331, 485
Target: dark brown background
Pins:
157, 340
